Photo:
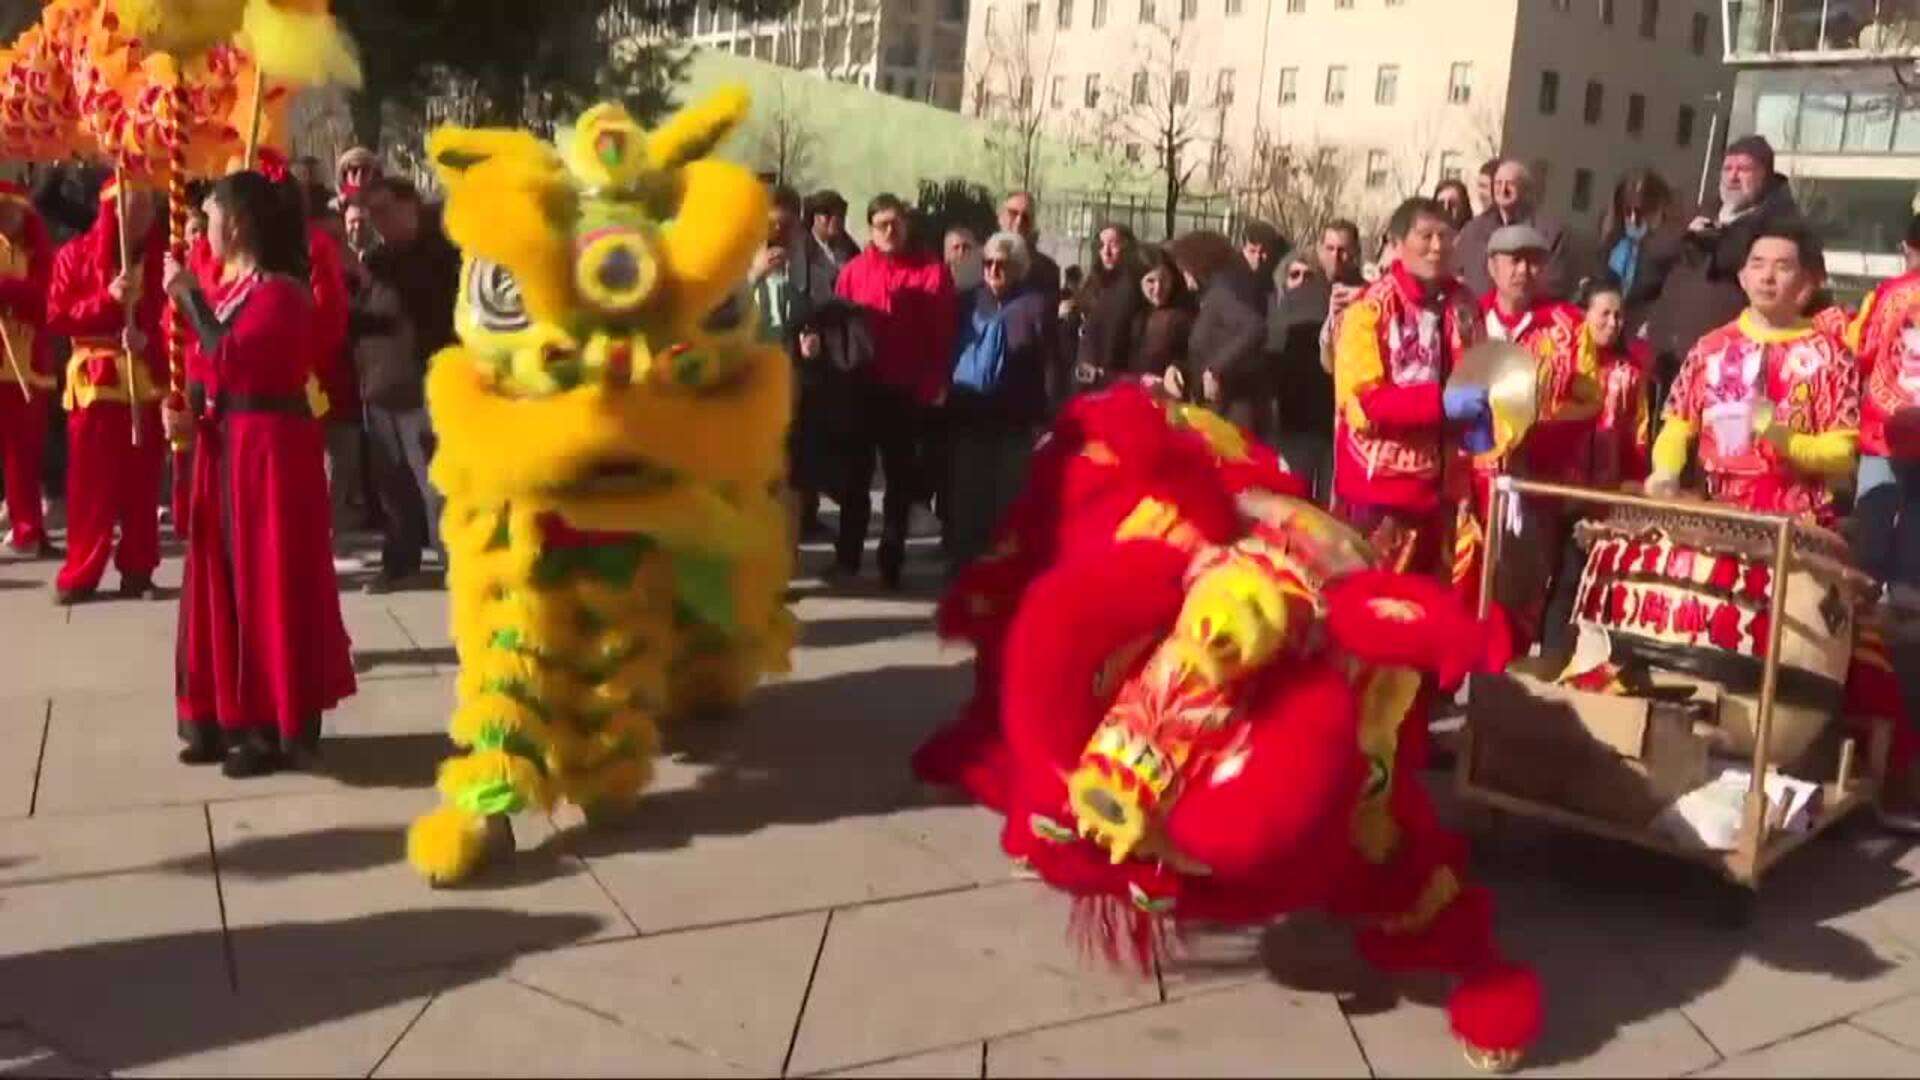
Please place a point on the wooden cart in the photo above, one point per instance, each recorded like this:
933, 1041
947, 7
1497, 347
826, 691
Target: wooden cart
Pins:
1758, 846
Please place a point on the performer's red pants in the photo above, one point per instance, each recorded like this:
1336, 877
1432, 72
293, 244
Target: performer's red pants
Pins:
23, 442
112, 483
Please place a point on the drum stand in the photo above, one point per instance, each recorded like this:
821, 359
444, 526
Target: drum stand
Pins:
1759, 847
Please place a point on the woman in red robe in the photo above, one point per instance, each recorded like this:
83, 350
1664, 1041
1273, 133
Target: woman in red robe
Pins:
263, 651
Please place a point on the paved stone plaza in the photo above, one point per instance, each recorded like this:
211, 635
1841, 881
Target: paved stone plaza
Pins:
791, 903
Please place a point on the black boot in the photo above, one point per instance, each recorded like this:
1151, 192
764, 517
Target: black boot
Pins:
249, 759
203, 746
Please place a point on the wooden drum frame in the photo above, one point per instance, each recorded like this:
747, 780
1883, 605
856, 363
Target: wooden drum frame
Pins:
1758, 847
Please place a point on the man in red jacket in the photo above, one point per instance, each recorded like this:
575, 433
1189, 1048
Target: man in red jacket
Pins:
118, 365
909, 307
26, 261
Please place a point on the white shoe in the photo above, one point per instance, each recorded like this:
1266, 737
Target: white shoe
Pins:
348, 564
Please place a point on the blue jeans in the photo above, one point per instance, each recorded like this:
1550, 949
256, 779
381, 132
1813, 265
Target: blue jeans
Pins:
1886, 516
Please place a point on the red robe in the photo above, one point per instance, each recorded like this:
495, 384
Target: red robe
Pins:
262, 645
112, 482
26, 263
331, 363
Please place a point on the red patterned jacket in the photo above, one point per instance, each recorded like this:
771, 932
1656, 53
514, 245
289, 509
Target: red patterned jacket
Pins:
1396, 344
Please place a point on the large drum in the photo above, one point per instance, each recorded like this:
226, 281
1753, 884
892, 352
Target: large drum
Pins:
1690, 595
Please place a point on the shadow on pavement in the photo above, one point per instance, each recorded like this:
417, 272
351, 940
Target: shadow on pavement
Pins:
125, 1004
803, 752
366, 660
384, 761
1619, 935
838, 633
341, 849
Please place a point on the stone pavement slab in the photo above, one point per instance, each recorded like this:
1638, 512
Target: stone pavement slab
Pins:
1254, 1030
23, 732
88, 903
340, 859
912, 975
1839, 1050
729, 992
501, 1028
1896, 1020
118, 751
301, 1027
954, 1063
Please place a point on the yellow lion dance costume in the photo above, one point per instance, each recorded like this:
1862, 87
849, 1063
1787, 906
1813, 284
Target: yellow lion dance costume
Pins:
611, 446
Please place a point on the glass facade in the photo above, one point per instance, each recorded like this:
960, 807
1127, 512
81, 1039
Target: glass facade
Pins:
1788, 28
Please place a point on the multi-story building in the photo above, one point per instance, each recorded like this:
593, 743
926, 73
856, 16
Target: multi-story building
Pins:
1833, 84
1385, 97
911, 48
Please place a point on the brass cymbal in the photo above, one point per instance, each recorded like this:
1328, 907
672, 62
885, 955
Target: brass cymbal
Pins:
1510, 375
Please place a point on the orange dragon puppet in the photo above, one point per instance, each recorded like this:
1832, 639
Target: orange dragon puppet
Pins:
1198, 699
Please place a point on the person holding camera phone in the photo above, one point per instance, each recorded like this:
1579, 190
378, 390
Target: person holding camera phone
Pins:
1702, 292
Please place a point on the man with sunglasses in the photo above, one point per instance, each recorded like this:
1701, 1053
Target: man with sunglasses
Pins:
908, 303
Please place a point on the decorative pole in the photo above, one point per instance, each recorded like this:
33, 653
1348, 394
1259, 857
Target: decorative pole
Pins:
177, 211
128, 303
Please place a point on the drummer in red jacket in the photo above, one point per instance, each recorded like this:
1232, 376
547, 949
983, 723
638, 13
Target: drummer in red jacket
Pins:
1773, 403
118, 365
26, 262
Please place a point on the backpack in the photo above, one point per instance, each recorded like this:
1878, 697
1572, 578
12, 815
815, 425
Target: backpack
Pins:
982, 364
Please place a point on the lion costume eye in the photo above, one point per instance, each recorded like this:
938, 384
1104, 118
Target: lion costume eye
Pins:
495, 298
730, 315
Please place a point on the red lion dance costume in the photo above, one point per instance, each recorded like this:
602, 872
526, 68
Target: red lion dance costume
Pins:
1197, 699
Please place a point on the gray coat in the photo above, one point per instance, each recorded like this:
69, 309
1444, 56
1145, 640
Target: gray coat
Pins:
1470, 252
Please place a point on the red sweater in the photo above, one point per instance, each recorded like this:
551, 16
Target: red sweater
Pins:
909, 304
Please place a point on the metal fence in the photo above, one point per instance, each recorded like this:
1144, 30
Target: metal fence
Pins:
1070, 221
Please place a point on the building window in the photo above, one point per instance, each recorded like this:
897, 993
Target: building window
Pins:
1776, 116
1336, 85
1146, 10
1057, 91
1064, 19
1033, 16
1636, 113
1582, 190
1339, 5
1223, 88
1295, 7
1189, 9
1133, 153
1386, 84
1606, 12
1234, 7
1870, 123
1026, 91
1090, 95
1683, 131
1452, 165
1178, 91
1549, 93
1099, 18
1697, 39
1376, 168
1217, 163
1596, 102
1289, 85
1823, 122
1649, 18
1460, 84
